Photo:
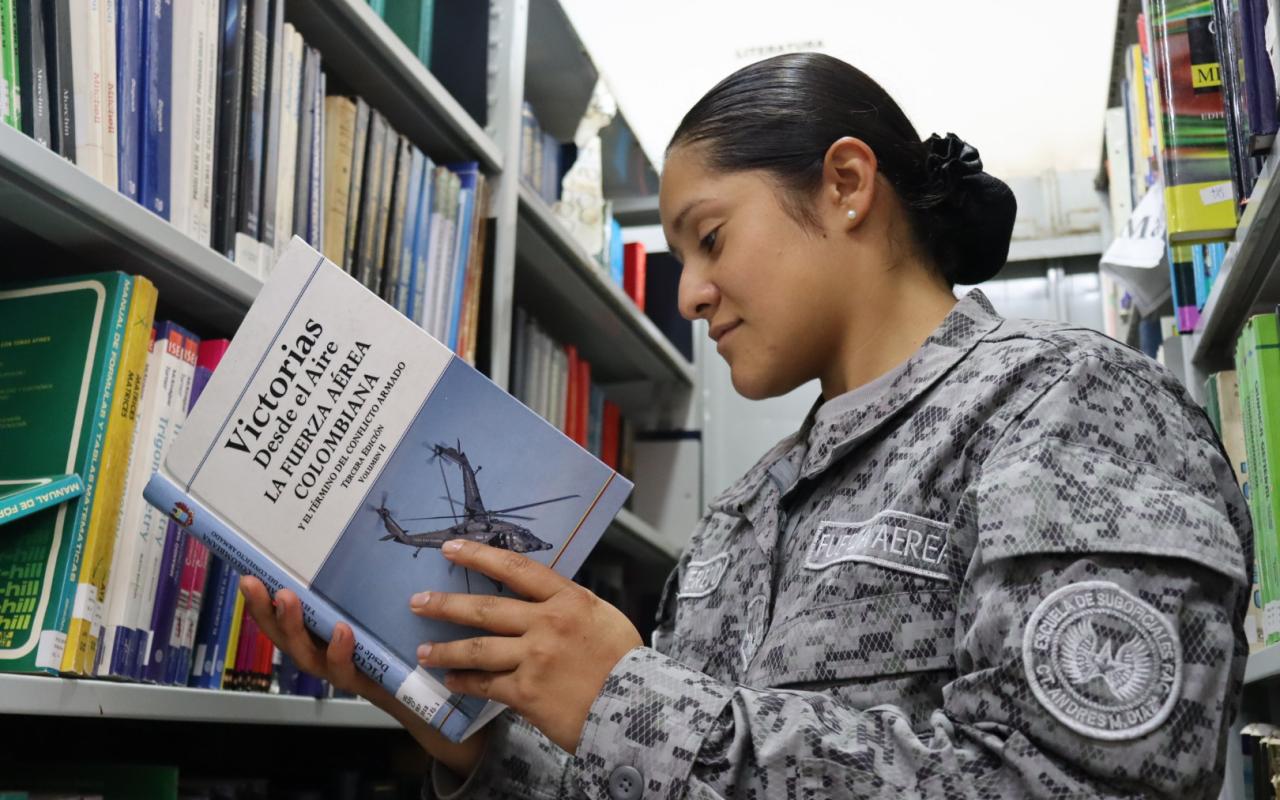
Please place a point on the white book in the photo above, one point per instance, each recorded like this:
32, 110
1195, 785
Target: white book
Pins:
445, 258
110, 118
86, 78
562, 385
249, 255
437, 232
290, 110
378, 423
206, 123
188, 26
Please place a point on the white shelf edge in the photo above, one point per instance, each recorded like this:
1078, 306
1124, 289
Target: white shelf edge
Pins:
39, 695
1263, 664
577, 259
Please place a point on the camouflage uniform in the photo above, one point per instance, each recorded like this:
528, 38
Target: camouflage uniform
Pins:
1017, 567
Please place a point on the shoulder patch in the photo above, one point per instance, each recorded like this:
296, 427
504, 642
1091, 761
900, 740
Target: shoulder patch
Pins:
1103, 662
701, 578
891, 539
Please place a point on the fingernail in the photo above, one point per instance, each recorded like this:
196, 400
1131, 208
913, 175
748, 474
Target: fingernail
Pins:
452, 547
424, 650
420, 599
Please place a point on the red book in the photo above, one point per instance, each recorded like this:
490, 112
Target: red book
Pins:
570, 422
633, 263
584, 401
609, 437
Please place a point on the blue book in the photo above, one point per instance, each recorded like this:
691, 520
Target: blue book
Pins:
157, 65
1198, 264
403, 294
391, 446
428, 207
469, 172
617, 268
22, 496
129, 94
209, 655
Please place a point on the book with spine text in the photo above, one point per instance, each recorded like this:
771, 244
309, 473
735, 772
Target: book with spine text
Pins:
338, 441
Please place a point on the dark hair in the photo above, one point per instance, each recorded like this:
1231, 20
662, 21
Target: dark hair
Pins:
781, 115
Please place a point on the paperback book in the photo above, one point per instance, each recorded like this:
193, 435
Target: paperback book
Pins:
338, 447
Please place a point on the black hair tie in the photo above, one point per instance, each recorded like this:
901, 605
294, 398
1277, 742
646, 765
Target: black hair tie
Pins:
979, 207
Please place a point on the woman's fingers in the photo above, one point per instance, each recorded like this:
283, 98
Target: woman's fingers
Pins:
297, 640
501, 615
517, 572
258, 603
486, 653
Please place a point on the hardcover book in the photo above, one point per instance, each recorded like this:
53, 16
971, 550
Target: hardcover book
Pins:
22, 496
338, 447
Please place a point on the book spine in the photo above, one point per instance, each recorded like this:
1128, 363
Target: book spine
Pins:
355, 190
274, 99
251, 142
416, 689
366, 246
382, 225
339, 142
315, 193
205, 89
232, 651
422, 243
129, 93
427, 275
110, 118
187, 21
302, 182
476, 271
443, 257
226, 185
86, 65
157, 144
80, 656
205, 649
33, 73
288, 161
57, 31
403, 297
37, 498
468, 175
10, 79
396, 231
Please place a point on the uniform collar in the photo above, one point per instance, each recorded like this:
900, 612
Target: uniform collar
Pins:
972, 318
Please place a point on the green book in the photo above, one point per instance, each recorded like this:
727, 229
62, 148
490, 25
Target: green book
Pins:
59, 350
1258, 368
22, 496
380, 6
411, 21
10, 100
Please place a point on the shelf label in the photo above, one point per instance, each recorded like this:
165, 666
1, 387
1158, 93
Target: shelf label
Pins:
1219, 193
1270, 619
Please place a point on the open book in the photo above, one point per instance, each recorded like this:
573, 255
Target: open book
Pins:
338, 446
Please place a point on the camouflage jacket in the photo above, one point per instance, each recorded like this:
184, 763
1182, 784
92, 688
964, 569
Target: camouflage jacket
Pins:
1018, 569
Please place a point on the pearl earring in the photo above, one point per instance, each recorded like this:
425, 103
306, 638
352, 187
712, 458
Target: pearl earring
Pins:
853, 214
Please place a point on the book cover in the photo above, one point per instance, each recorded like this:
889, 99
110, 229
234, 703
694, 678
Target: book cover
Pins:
129, 28
158, 583
85, 25
339, 144
109, 90
33, 73
226, 187
337, 441
1191, 124
22, 496
271, 132
57, 31
157, 104
59, 351
10, 80
86, 623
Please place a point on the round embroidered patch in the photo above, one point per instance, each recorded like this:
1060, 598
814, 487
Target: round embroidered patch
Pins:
1102, 661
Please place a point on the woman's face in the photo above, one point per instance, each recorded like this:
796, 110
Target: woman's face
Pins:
772, 291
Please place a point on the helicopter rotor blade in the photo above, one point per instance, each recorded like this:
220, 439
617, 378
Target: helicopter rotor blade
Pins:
531, 505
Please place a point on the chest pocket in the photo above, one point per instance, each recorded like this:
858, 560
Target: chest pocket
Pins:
868, 600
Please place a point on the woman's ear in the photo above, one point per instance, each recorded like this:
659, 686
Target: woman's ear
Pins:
848, 183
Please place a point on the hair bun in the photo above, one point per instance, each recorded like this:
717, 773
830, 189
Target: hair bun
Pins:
979, 209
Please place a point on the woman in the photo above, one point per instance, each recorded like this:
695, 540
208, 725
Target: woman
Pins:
999, 559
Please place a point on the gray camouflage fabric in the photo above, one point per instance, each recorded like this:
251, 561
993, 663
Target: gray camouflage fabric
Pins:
1019, 570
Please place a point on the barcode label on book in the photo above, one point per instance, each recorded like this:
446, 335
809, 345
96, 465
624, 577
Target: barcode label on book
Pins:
1219, 193
418, 694
49, 651
86, 605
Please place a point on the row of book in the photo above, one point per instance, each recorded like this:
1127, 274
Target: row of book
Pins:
555, 382
213, 114
543, 159
1193, 268
103, 584
413, 232
1260, 757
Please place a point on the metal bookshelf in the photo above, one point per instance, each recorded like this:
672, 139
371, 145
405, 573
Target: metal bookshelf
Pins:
558, 279
1263, 665
48, 196
40, 695
1249, 280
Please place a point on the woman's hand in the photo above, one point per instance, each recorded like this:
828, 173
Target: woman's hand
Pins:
552, 653
282, 622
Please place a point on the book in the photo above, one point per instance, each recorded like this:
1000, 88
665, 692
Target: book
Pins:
156, 173
402, 296
633, 259
253, 121
109, 90
85, 26
192, 80
411, 21
61, 342
58, 45
289, 119
1261, 96
370, 199
469, 178
382, 219
10, 80
306, 139
33, 73
315, 191
22, 496
351, 215
271, 132
231, 60
1191, 125
130, 15
85, 627
396, 224
339, 144
367, 406
469, 325
1258, 373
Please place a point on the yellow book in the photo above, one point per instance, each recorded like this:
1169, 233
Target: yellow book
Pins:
86, 616
233, 639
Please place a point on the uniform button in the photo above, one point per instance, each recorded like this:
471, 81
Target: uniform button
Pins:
625, 783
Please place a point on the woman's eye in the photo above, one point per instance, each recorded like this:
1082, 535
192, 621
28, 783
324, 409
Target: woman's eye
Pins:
709, 241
